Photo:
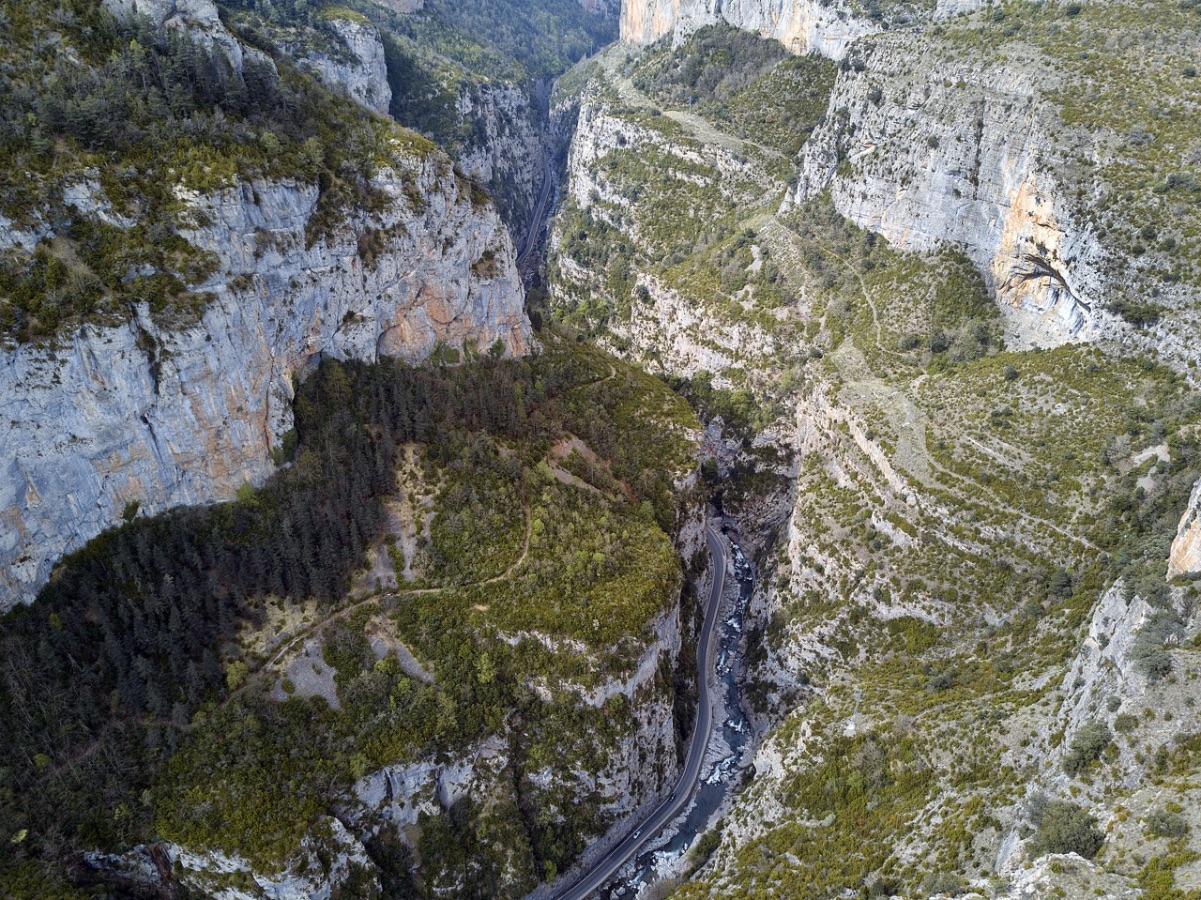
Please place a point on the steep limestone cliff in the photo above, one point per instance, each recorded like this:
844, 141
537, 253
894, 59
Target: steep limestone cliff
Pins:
505, 149
197, 18
1185, 558
360, 70
953, 155
803, 26
139, 414
1018, 157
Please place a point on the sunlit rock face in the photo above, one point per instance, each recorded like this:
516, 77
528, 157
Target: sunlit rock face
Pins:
159, 416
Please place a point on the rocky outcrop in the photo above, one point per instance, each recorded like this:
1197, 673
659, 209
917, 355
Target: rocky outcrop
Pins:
505, 150
1064, 875
644, 764
926, 156
803, 26
143, 414
402, 6
322, 865
617, 773
1185, 558
198, 18
398, 794
358, 67
1104, 666
360, 70
946, 9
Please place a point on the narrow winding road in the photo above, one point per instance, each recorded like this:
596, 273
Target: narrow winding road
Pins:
603, 869
538, 219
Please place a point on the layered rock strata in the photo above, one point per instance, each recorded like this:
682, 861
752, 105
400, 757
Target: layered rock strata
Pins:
147, 416
803, 26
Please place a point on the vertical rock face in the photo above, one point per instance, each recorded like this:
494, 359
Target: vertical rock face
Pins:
198, 18
402, 6
1185, 558
361, 71
951, 155
803, 26
160, 417
505, 152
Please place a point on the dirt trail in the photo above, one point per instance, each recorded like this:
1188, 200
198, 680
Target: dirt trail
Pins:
701, 128
301, 637
861, 389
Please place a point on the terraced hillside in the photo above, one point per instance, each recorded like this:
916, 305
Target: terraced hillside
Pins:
969, 654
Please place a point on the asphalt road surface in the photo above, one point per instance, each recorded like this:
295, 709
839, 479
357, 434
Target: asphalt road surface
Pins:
606, 867
538, 219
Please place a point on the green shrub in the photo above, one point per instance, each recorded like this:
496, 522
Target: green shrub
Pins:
1086, 746
1163, 823
1066, 828
1138, 314
1125, 723
1148, 651
940, 883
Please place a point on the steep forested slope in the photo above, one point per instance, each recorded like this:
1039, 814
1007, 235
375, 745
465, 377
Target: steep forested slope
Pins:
150, 689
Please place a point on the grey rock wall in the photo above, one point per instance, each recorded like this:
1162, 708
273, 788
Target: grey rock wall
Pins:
803, 26
361, 71
141, 413
505, 152
952, 154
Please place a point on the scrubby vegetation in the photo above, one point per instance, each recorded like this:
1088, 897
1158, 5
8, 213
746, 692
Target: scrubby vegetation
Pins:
137, 709
130, 117
1164, 823
854, 800
752, 87
509, 39
903, 310
959, 511
1066, 828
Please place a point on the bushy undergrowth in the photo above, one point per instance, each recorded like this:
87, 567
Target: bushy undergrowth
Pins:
130, 116
1086, 747
126, 656
1066, 828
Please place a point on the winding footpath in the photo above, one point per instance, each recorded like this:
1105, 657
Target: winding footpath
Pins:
603, 869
